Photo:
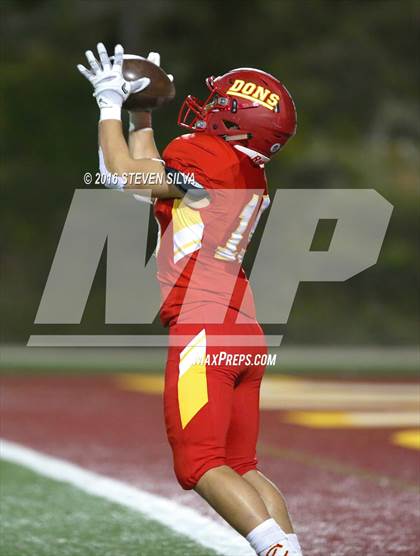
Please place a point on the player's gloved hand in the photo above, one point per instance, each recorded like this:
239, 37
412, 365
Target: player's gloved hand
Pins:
143, 120
110, 87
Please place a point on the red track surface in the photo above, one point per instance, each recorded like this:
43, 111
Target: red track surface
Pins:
350, 492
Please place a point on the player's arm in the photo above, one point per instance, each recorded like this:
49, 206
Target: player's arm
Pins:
111, 90
140, 133
145, 171
141, 142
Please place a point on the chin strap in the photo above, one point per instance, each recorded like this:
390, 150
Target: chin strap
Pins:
255, 156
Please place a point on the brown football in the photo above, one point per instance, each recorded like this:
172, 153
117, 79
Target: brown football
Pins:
160, 90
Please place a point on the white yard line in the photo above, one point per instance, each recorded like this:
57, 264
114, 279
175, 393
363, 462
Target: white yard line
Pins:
177, 517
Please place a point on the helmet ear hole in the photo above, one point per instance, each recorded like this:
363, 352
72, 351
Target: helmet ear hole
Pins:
230, 125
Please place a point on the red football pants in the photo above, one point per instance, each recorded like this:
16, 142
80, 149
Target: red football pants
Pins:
211, 397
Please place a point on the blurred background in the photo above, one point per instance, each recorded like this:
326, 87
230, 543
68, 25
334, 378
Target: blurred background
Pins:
353, 70
340, 409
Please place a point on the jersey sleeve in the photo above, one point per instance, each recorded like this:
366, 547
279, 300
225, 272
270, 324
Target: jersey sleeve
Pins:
196, 165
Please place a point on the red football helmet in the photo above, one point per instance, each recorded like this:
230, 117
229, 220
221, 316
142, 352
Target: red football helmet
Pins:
247, 106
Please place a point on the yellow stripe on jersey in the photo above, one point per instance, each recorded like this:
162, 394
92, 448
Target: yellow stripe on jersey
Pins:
188, 229
185, 249
192, 380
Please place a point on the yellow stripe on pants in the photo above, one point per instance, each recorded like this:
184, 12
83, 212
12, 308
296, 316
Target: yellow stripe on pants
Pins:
192, 380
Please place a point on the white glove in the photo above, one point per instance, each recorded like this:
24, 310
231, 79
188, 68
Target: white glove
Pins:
110, 87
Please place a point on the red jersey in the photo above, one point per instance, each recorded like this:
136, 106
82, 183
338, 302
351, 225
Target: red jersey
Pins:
204, 235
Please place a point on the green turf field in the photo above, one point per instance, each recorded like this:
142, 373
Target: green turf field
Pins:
41, 517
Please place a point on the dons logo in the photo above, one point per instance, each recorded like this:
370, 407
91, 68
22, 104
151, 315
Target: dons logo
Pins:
254, 92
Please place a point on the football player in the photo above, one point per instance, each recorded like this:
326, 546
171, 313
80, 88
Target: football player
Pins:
209, 196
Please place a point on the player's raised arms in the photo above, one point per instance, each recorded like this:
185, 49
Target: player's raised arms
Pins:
111, 89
